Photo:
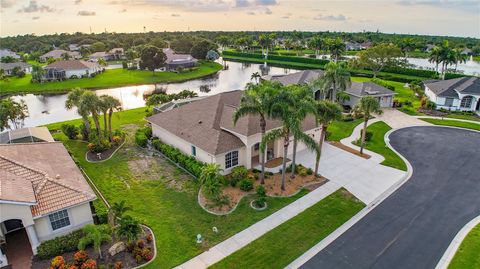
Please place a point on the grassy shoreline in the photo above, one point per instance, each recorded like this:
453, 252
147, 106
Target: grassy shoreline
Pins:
110, 78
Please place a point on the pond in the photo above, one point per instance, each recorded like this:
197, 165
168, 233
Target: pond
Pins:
49, 108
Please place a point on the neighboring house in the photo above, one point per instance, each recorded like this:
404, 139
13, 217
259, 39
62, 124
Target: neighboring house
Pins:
429, 47
366, 45
65, 69
73, 47
356, 91
58, 54
204, 129
26, 135
353, 45
175, 61
455, 94
101, 55
43, 195
175, 103
8, 53
8, 67
117, 53
466, 51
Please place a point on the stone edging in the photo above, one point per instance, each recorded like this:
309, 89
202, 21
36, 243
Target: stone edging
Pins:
256, 208
109, 157
154, 248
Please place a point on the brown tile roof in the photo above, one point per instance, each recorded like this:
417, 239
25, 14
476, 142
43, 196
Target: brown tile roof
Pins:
49, 170
72, 65
208, 123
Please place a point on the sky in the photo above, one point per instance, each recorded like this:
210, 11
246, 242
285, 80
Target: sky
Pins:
431, 17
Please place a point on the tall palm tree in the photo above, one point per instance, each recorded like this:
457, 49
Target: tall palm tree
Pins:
317, 43
96, 235
335, 79
459, 57
90, 102
336, 48
255, 76
73, 100
366, 107
407, 45
266, 41
326, 113
434, 57
109, 104
446, 57
258, 100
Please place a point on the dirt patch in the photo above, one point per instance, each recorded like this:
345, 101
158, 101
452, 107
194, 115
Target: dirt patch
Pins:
275, 162
349, 149
272, 187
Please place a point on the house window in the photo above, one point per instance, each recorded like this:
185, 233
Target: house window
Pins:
59, 219
194, 151
449, 102
466, 102
256, 146
231, 159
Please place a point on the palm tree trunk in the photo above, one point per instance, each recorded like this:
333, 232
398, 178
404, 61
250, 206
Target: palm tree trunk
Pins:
320, 145
364, 131
105, 120
110, 113
284, 163
97, 123
263, 126
99, 249
334, 96
294, 157
86, 122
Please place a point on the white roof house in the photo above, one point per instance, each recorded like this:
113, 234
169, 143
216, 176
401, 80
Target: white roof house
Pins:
455, 94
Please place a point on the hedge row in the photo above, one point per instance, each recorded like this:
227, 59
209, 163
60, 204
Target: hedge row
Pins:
278, 57
59, 245
383, 83
188, 162
142, 135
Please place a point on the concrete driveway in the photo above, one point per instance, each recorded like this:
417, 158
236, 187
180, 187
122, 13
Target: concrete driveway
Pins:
413, 227
364, 178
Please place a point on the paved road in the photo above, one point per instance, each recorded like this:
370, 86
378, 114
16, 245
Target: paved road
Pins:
414, 226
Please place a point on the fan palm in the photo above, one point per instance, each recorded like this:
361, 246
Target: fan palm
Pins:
94, 235
73, 100
257, 101
326, 113
335, 79
366, 107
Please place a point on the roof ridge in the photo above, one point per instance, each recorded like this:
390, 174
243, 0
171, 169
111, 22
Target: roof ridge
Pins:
63, 184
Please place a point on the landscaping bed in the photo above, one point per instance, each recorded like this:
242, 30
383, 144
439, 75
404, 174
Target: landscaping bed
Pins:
349, 149
104, 155
125, 258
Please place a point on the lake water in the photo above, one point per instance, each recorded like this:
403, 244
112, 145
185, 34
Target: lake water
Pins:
49, 108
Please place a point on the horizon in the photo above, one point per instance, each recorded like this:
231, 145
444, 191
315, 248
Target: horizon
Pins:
431, 18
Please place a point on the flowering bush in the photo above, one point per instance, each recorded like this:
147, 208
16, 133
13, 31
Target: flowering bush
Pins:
89, 264
80, 257
138, 259
147, 254
117, 139
141, 243
57, 263
130, 247
149, 238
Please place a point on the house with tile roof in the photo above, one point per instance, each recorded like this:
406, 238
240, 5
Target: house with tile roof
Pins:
462, 94
59, 54
204, 129
356, 91
65, 69
9, 68
43, 194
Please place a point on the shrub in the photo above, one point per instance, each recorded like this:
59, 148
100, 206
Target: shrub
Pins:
116, 139
80, 257
149, 238
246, 184
118, 265
309, 171
141, 139
99, 145
238, 173
302, 171
383, 83
57, 263
141, 244
147, 254
70, 130
348, 118
101, 212
138, 259
261, 191
188, 162
124, 65
89, 264
368, 135
59, 245
73, 77
431, 105
261, 196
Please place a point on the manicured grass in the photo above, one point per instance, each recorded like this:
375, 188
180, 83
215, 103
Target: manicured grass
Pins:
462, 116
339, 130
282, 245
165, 201
110, 78
454, 123
377, 145
468, 255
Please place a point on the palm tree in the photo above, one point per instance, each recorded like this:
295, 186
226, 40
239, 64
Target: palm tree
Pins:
90, 102
326, 113
459, 57
316, 43
367, 106
335, 79
73, 100
109, 104
118, 209
265, 41
336, 48
129, 228
407, 45
95, 235
255, 76
257, 101
446, 57
102, 62
434, 57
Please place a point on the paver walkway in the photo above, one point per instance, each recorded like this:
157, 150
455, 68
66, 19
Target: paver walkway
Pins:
397, 119
243, 238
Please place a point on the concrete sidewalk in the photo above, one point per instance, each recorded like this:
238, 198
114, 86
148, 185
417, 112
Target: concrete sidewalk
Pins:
243, 238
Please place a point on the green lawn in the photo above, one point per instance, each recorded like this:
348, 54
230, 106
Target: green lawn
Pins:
110, 78
454, 123
165, 200
285, 243
377, 145
468, 255
339, 130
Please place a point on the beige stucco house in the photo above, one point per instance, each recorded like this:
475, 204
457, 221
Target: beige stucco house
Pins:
205, 130
43, 194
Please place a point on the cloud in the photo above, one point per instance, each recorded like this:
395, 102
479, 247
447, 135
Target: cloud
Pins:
35, 18
321, 17
175, 15
78, 2
242, 3
7, 3
466, 5
33, 7
250, 13
123, 10
266, 2
86, 13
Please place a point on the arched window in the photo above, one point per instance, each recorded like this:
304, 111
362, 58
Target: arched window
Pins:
466, 102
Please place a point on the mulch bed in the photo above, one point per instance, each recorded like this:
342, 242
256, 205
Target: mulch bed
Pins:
349, 149
275, 162
272, 187
108, 261
98, 157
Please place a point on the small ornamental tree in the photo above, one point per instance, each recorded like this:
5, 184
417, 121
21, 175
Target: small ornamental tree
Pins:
210, 180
